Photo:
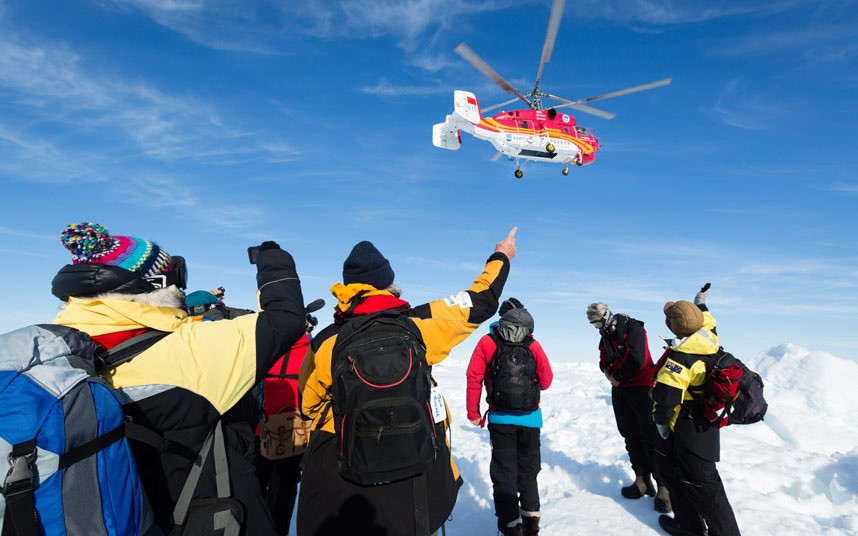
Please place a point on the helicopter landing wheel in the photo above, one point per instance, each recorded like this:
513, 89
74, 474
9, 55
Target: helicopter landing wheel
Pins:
565, 171
579, 161
550, 147
518, 174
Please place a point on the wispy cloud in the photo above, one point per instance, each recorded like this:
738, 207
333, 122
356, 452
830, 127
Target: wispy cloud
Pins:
25, 233
386, 89
50, 84
742, 108
34, 159
226, 25
217, 24
157, 192
849, 188
831, 41
645, 14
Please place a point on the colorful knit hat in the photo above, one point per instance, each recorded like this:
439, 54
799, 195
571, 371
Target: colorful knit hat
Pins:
91, 243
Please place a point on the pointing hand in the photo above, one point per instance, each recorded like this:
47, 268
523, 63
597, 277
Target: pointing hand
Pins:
507, 245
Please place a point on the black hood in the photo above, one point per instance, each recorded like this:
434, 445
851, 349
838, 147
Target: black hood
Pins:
89, 280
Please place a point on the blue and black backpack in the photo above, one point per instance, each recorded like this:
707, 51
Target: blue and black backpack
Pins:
67, 464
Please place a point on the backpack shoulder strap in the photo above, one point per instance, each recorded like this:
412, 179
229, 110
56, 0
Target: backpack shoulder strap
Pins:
496, 338
128, 350
214, 439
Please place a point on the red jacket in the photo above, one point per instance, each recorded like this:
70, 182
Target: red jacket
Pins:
479, 366
281, 382
624, 354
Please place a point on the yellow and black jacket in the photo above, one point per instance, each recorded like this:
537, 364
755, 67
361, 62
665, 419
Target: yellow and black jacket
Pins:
680, 369
183, 384
329, 504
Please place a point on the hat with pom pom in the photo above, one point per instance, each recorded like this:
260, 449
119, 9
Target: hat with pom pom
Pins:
91, 243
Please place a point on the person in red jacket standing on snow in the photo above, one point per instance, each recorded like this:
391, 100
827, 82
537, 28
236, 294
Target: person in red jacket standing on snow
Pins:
514, 368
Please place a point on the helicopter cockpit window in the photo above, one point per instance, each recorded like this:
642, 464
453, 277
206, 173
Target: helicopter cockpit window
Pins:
523, 124
566, 130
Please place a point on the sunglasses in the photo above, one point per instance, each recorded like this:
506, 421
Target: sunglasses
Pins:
178, 275
598, 324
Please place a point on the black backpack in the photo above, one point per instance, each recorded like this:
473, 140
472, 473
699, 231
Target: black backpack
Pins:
513, 383
380, 396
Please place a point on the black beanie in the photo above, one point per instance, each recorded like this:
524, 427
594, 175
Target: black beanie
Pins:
365, 264
511, 303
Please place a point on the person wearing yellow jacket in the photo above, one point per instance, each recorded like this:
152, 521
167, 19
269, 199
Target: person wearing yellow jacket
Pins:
121, 287
329, 504
689, 444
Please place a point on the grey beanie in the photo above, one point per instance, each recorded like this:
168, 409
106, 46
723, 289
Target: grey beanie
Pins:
597, 311
519, 317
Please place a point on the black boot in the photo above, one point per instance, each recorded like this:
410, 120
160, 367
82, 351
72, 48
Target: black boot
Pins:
640, 487
511, 531
670, 526
529, 525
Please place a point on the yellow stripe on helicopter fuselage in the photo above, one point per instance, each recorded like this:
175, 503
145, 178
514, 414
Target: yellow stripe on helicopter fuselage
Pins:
487, 123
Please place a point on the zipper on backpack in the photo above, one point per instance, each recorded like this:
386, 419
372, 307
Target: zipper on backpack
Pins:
367, 382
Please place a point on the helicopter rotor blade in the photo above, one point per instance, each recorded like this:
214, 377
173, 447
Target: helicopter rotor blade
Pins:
471, 57
627, 91
550, 36
497, 155
580, 107
494, 106
590, 110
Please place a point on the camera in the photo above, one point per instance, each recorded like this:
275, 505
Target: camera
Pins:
252, 254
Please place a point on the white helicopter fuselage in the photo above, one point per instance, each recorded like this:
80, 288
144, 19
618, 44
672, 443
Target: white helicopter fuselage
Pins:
540, 135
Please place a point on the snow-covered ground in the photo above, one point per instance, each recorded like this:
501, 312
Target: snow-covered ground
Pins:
794, 473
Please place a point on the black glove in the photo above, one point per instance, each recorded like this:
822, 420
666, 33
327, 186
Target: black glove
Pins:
268, 244
701, 296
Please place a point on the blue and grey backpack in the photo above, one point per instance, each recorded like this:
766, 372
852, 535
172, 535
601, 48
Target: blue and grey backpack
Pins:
67, 464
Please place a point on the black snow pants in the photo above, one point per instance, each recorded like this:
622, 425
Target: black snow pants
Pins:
696, 491
279, 479
633, 412
516, 462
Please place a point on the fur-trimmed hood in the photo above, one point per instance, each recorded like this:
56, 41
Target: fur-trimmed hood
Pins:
111, 312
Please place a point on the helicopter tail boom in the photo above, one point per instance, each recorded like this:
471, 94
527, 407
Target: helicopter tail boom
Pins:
466, 114
466, 106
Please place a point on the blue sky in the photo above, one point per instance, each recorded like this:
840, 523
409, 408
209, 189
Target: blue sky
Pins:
208, 126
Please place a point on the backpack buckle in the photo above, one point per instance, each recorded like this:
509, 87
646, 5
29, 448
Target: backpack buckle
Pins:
20, 477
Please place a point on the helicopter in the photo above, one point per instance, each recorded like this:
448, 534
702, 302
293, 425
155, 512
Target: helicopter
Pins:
537, 133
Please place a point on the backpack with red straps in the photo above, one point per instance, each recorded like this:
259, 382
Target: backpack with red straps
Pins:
732, 393
382, 400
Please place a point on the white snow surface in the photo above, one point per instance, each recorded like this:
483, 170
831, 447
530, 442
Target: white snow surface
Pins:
795, 473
